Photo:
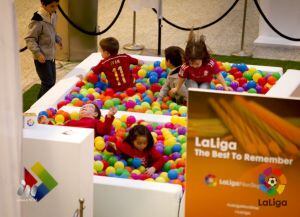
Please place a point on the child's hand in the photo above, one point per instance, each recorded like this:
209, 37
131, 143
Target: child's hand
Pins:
112, 145
112, 112
140, 62
150, 171
226, 88
172, 92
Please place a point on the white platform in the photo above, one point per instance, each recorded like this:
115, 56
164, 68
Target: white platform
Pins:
285, 16
286, 85
67, 154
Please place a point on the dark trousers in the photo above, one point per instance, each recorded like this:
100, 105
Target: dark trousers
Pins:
47, 73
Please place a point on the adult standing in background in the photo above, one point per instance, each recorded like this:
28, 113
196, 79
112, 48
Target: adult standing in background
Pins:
41, 40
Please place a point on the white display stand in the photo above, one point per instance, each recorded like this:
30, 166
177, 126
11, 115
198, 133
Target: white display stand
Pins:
115, 197
67, 154
285, 16
286, 85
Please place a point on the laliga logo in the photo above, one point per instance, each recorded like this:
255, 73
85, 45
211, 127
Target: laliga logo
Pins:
28, 187
211, 180
272, 182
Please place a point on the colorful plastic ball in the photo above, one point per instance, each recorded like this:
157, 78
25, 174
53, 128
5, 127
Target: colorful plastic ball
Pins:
258, 88
172, 174
234, 85
241, 81
251, 84
130, 120
130, 91
262, 81
110, 170
109, 92
142, 73
130, 104
98, 166
276, 75
108, 104
176, 148
156, 64
224, 74
182, 110
231, 77
119, 165
160, 179
136, 162
153, 79
167, 166
264, 89
112, 160
272, 80
43, 113
135, 171
256, 76
168, 150
247, 75
92, 78
164, 75
240, 89
59, 119
74, 115
252, 90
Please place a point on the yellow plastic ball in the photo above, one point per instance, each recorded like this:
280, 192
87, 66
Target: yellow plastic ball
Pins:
110, 170
165, 176
136, 172
91, 90
160, 179
119, 164
142, 73
59, 119
256, 76
123, 118
74, 116
142, 169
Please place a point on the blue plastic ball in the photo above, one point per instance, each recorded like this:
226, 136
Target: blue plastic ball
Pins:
173, 174
156, 64
136, 162
176, 148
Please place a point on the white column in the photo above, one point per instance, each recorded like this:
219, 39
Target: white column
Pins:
10, 112
285, 16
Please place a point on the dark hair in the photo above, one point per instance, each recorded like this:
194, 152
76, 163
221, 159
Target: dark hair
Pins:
175, 55
139, 130
110, 44
196, 48
97, 110
48, 2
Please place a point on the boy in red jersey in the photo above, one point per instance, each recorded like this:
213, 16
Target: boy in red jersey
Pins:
115, 66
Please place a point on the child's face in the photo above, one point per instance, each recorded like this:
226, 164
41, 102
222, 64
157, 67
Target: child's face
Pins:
104, 53
51, 8
169, 64
195, 63
140, 143
88, 111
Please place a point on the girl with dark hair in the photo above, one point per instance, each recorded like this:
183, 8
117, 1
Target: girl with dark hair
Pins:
140, 144
199, 68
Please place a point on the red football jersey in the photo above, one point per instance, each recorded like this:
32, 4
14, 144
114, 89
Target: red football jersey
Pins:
202, 74
116, 69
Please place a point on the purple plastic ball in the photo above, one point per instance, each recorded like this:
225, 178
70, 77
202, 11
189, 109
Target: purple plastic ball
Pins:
160, 149
99, 103
169, 125
130, 104
258, 88
176, 155
234, 85
158, 70
97, 157
219, 88
181, 178
155, 175
240, 89
181, 130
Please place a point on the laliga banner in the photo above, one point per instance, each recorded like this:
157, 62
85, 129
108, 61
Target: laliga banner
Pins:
242, 156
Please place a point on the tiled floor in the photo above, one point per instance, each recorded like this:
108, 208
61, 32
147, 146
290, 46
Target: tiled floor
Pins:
222, 38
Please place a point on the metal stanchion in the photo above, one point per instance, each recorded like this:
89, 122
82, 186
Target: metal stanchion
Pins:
133, 45
243, 53
159, 16
81, 207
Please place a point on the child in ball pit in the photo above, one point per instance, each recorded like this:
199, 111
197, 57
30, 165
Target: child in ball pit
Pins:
139, 144
115, 66
89, 116
174, 59
199, 67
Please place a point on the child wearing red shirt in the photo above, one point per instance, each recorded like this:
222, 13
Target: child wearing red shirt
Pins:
199, 68
139, 144
115, 66
89, 116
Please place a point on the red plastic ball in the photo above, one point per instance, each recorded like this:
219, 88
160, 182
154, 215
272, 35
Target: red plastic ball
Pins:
271, 80
109, 92
264, 90
92, 78
130, 91
241, 81
155, 88
261, 81
79, 84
